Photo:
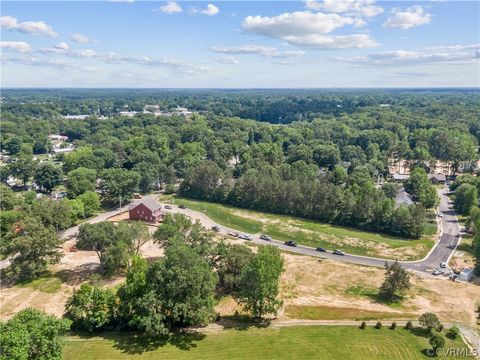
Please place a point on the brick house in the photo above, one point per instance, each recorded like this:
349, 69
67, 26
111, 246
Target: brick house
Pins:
146, 210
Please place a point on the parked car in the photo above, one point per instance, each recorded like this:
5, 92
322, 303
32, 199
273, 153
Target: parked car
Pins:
438, 271
265, 237
168, 207
232, 233
451, 246
216, 228
245, 236
320, 249
291, 243
181, 206
338, 252
443, 265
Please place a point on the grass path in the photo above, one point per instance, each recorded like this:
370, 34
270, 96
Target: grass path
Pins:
290, 342
309, 232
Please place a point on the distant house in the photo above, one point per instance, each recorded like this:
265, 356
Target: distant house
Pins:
400, 177
403, 198
146, 210
437, 178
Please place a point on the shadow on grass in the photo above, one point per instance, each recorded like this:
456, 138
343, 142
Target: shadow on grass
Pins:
137, 344
422, 332
242, 322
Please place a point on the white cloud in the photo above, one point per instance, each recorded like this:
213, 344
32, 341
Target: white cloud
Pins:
170, 8
80, 38
413, 16
457, 54
264, 51
361, 8
227, 60
27, 27
210, 10
62, 46
19, 46
304, 28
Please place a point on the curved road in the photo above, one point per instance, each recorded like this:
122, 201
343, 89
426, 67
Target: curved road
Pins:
450, 234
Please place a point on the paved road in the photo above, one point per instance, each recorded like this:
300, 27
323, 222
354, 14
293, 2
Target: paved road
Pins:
440, 253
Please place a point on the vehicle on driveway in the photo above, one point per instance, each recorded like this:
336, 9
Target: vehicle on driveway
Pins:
320, 249
338, 252
451, 246
168, 207
291, 243
232, 233
443, 265
438, 272
181, 206
265, 237
216, 228
245, 236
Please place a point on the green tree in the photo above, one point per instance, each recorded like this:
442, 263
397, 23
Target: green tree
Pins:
437, 342
120, 184
32, 335
8, 199
32, 247
47, 176
466, 197
429, 321
397, 280
91, 202
232, 260
421, 190
80, 181
23, 168
56, 213
91, 308
260, 282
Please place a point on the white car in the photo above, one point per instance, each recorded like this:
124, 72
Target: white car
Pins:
245, 236
443, 265
438, 272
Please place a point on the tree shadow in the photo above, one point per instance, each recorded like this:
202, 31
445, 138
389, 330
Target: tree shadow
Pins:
79, 274
242, 322
422, 332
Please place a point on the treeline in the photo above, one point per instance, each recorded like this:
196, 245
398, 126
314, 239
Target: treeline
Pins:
298, 189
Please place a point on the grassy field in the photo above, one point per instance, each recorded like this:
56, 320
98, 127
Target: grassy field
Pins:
48, 284
307, 312
309, 232
299, 342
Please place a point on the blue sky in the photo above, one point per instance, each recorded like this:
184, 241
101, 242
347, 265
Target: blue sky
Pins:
228, 44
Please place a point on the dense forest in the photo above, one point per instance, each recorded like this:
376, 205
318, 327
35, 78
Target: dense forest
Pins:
331, 166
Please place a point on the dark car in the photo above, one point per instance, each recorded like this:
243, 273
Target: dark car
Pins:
265, 237
320, 249
290, 243
168, 207
338, 252
181, 206
216, 228
451, 246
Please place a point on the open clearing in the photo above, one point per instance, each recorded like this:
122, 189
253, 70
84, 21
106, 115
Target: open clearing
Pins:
311, 233
302, 342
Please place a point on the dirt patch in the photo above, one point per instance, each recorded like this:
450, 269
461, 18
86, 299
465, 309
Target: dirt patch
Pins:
309, 282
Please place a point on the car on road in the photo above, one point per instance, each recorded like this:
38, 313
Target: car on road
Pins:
168, 207
291, 243
265, 237
245, 236
440, 215
216, 228
232, 233
438, 272
320, 249
338, 252
451, 246
443, 265
181, 206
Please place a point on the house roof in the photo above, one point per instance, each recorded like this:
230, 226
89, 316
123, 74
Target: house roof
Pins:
150, 204
438, 177
398, 176
403, 197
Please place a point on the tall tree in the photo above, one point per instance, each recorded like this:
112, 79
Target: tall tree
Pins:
397, 280
80, 181
47, 176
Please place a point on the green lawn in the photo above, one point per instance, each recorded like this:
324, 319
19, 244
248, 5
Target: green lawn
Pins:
299, 342
307, 312
48, 284
309, 232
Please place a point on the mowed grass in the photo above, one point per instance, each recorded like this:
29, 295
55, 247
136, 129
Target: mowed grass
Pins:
307, 312
49, 284
309, 232
296, 342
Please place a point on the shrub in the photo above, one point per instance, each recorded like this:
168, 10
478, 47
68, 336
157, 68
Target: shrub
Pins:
429, 321
453, 332
378, 325
409, 325
440, 328
169, 189
393, 326
437, 341
363, 325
